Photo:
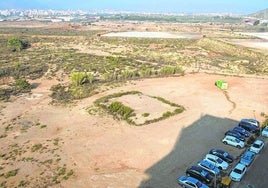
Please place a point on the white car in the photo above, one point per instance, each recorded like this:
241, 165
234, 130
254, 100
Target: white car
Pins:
265, 132
257, 146
238, 172
231, 140
218, 162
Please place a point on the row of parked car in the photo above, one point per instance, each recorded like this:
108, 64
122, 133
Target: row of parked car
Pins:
207, 171
239, 134
251, 128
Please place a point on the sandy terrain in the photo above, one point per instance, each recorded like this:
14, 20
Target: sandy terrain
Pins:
260, 42
104, 152
151, 35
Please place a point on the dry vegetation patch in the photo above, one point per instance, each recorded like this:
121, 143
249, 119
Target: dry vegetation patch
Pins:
138, 108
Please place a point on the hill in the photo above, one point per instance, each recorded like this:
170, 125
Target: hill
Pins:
262, 14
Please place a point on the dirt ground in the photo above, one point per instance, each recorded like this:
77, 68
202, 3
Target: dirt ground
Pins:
104, 152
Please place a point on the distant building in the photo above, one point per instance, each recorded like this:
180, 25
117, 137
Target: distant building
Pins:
252, 21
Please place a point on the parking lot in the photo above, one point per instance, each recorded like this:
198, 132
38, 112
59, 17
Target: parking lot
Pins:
197, 136
256, 173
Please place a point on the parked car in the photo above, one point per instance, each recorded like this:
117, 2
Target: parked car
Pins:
247, 158
212, 168
235, 134
265, 131
222, 154
221, 164
252, 121
249, 127
238, 172
233, 141
200, 174
190, 182
257, 146
242, 131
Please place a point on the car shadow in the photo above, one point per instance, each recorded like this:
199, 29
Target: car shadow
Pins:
192, 145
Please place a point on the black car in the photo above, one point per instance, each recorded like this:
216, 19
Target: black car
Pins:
249, 127
200, 174
235, 134
241, 131
223, 155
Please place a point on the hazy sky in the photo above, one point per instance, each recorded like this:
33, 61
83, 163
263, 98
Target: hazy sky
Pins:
178, 6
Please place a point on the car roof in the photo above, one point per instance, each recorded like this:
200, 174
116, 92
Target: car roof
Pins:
258, 142
198, 168
212, 156
240, 166
192, 179
249, 153
229, 136
239, 128
218, 150
205, 162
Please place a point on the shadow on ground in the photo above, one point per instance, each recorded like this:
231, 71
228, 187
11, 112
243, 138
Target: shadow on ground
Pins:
192, 145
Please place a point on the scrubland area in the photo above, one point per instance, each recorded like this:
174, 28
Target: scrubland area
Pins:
83, 109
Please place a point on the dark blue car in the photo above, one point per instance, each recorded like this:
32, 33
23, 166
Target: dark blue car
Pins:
249, 127
199, 173
223, 155
235, 134
241, 131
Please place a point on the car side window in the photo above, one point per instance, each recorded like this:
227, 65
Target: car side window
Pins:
189, 183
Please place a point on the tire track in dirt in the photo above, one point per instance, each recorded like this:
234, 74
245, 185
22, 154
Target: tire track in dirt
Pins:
232, 102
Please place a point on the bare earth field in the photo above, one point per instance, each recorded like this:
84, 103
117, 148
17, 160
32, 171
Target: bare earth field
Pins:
104, 152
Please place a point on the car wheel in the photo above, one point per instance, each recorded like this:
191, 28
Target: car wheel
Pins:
225, 142
238, 146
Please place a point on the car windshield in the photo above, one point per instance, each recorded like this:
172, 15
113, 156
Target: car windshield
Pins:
209, 165
238, 171
256, 145
237, 140
204, 173
198, 184
219, 160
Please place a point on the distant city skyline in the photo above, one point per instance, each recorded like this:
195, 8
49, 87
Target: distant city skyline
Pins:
168, 6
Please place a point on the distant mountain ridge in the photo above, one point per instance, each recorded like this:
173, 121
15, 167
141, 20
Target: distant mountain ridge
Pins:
262, 14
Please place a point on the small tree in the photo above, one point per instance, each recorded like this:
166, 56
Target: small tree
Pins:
16, 44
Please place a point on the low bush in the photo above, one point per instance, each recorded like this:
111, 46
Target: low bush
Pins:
11, 173
80, 78
118, 108
23, 85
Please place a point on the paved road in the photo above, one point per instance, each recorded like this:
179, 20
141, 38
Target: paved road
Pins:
257, 173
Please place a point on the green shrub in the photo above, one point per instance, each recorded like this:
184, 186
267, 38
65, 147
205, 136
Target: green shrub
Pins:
23, 85
118, 108
11, 173
145, 114
14, 44
36, 147
167, 114
79, 78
